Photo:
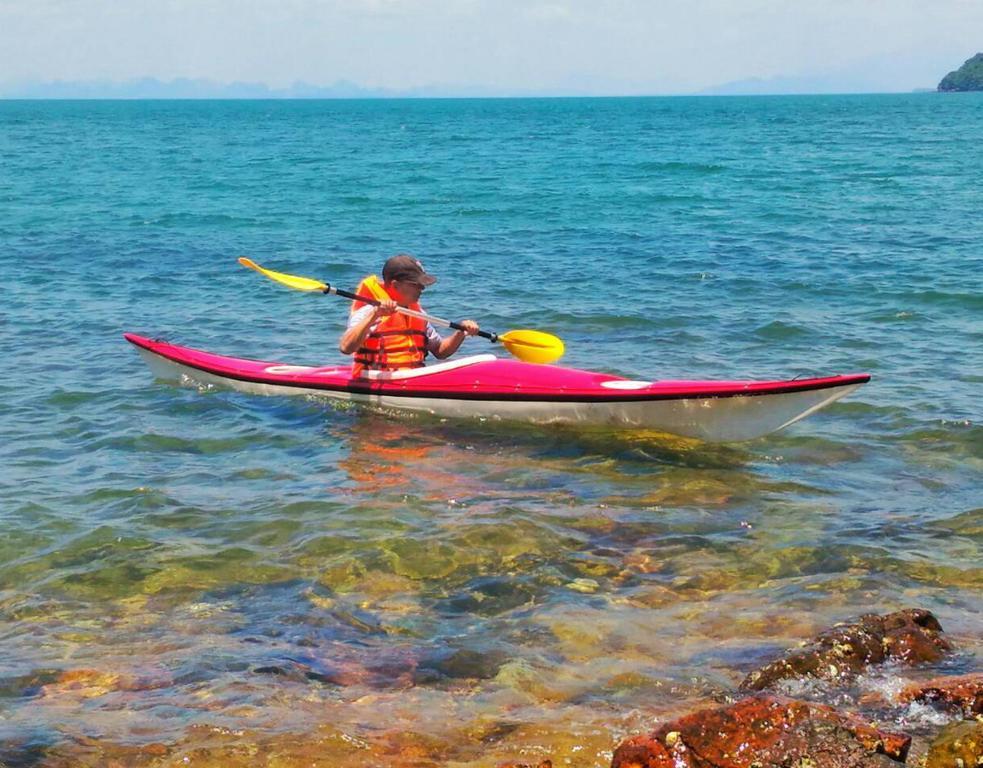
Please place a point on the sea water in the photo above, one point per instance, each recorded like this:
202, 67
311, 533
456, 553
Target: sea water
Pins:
231, 579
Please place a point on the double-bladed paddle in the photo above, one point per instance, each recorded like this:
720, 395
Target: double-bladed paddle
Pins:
528, 346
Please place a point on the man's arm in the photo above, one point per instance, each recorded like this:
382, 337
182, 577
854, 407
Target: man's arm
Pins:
450, 345
354, 336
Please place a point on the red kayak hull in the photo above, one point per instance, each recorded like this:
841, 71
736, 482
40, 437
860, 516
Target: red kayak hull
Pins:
487, 387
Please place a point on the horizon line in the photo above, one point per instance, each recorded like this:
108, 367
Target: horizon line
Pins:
411, 97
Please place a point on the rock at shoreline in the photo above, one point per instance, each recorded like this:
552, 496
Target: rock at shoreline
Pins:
913, 636
772, 731
765, 731
969, 77
963, 693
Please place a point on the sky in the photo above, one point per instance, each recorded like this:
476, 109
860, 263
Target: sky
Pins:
502, 47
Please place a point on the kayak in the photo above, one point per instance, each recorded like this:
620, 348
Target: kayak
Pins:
486, 387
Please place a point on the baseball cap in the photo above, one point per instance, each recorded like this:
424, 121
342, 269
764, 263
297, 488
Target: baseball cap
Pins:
405, 267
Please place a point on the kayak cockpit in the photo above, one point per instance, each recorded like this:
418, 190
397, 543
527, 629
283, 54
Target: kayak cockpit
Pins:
408, 373
430, 370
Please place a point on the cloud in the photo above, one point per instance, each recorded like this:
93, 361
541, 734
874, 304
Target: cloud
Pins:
548, 12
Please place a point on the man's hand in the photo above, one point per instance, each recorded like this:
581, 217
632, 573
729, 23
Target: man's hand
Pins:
384, 309
470, 327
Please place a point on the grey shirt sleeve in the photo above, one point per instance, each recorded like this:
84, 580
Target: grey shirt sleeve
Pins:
433, 339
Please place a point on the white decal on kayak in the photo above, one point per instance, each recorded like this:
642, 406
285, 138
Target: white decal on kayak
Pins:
626, 384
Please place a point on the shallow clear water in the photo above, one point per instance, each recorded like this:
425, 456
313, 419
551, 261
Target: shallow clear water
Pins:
235, 579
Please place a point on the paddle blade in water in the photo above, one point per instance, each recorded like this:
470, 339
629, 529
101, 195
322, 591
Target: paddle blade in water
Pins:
291, 281
533, 346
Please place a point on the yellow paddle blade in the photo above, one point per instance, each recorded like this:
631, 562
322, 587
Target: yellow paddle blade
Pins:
533, 346
291, 281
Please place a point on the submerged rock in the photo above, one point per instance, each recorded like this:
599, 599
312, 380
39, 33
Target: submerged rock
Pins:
963, 693
959, 745
307, 670
383, 671
910, 637
92, 683
460, 663
764, 731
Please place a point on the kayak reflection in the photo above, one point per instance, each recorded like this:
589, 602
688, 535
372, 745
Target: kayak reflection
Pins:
433, 459
400, 458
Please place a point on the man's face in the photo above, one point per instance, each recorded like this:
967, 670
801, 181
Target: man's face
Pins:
410, 290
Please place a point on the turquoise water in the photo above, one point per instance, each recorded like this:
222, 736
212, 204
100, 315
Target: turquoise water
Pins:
234, 578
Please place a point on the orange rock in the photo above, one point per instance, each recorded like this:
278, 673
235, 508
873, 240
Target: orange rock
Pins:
962, 692
763, 730
913, 636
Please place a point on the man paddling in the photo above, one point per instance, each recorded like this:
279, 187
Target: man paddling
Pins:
383, 339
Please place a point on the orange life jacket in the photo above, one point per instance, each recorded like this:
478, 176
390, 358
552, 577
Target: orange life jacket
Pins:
397, 341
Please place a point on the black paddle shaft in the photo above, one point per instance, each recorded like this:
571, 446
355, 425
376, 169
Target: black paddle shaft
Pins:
492, 337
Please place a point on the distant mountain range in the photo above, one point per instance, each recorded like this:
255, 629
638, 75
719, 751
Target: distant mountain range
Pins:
183, 88
872, 74
809, 84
